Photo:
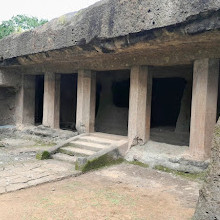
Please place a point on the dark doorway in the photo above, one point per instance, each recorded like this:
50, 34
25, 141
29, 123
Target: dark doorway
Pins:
39, 97
112, 102
167, 94
68, 99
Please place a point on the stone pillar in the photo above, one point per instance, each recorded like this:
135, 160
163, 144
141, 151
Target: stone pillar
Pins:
183, 121
204, 106
51, 109
139, 105
86, 101
25, 101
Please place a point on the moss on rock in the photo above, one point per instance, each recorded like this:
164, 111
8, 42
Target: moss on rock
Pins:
191, 176
138, 163
43, 155
103, 161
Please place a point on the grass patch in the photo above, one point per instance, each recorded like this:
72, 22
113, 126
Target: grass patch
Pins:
191, 176
138, 163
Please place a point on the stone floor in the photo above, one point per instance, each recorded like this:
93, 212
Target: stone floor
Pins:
31, 173
167, 155
169, 136
18, 167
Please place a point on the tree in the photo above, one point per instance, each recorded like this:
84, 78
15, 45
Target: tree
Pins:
18, 24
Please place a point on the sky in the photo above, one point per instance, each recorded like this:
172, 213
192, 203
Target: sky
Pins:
46, 9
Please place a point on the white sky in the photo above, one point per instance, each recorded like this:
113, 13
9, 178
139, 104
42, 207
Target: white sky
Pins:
46, 9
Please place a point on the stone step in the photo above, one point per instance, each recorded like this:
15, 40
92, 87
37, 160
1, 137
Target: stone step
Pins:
73, 151
112, 137
98, 140
64, 157
88, 145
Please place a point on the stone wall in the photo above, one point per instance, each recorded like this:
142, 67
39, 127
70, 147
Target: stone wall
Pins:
7, 106
10, 79
208, 207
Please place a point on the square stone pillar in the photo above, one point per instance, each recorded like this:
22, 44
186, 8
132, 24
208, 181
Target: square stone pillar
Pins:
86, 101
51, 109
139, 105
204, 107
25, 101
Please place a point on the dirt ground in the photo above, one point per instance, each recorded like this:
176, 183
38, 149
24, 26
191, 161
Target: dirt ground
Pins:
124, 191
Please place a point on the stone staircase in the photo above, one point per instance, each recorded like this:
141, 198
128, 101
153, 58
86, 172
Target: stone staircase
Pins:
87, 146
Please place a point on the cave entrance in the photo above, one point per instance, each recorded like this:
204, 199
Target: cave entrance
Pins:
112, 102
168, 104
39, 97
68, 99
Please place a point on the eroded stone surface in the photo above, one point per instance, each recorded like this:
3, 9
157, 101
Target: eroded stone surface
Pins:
108, 19
208, 207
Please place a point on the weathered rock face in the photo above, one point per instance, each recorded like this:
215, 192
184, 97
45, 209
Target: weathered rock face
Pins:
208, 207
108, 19
10, 79
7, 106
9, 83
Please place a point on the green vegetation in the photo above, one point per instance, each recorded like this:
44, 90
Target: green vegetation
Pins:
18, 24
103, 161
191, 176
138, 163
43, 155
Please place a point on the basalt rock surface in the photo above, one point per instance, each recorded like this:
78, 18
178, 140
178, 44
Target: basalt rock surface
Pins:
109, 19
208, 207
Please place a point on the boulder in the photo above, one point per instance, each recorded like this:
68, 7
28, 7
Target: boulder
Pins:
208, 206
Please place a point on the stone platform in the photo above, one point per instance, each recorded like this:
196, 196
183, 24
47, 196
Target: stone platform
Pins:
32, 173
